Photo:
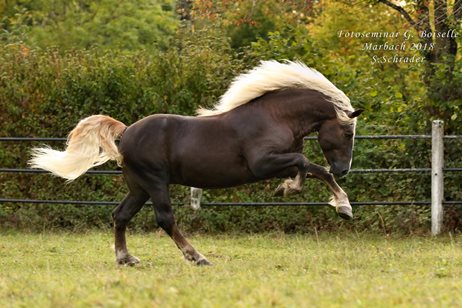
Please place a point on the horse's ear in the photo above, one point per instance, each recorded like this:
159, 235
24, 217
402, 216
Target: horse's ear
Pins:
355, 113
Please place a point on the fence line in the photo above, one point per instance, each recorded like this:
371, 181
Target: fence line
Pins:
229, 204
436, 172
357, 170
385, 137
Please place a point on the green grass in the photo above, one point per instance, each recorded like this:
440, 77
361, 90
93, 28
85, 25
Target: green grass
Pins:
78, 270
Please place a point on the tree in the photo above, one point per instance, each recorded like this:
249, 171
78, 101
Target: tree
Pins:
77, 24
246, 21
438, 24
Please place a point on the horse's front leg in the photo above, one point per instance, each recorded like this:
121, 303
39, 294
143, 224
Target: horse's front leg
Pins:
340, 198
271, 165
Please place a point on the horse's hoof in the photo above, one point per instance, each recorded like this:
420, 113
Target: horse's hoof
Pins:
128, 260
345, 212
203, 262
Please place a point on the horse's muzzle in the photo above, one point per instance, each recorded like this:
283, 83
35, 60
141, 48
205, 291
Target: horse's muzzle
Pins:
339, 173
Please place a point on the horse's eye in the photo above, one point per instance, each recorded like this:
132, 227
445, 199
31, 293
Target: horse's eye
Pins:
349, 135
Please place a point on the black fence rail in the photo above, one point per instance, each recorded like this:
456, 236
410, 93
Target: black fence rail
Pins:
437, 201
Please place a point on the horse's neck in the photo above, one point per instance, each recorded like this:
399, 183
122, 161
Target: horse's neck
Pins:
304, 111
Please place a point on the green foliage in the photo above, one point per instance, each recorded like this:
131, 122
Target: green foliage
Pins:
108, 24
45, 93
245, 22
446, 96
58, 64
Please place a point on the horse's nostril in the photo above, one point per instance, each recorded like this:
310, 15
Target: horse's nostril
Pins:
345, 172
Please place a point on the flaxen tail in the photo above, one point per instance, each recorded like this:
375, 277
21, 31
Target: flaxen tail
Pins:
91, 143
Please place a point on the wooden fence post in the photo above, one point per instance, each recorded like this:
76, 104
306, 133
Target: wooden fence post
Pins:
437, 176
196, 196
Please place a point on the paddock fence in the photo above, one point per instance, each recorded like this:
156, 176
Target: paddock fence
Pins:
436, 171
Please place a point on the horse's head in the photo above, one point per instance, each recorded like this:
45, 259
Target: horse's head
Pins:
336, 139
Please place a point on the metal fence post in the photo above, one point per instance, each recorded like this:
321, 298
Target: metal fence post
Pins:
437, 176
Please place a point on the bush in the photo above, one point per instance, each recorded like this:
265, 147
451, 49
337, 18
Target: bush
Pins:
44, 93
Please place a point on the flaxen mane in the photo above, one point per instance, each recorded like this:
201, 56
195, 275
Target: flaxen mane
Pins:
273, 75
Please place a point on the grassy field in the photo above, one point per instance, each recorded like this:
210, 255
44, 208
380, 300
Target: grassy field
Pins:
332, 270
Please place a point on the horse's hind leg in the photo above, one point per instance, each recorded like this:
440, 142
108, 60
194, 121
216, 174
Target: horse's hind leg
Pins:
165, 219
121, 215
289, 186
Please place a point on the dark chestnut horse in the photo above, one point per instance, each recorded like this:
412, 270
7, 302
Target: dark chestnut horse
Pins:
254, 133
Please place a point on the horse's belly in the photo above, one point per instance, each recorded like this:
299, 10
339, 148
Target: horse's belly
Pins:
207, 172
